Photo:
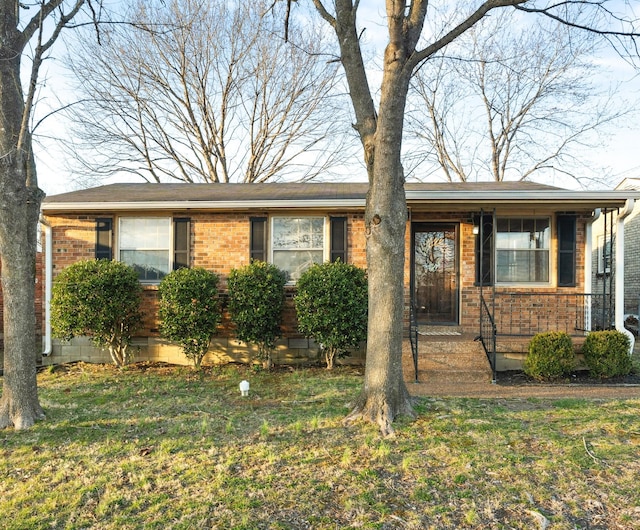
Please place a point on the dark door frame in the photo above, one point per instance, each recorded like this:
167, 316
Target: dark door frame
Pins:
432, 226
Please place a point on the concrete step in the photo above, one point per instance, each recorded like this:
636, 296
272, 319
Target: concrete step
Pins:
442, 331
453, 363
452, 376
447, 359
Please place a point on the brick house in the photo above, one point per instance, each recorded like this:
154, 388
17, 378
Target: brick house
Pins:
496, 262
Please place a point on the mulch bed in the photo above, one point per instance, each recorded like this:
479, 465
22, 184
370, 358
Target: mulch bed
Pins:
582, 377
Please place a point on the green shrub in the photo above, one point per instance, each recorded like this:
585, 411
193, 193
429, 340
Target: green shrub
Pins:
550, 356
331, 305
189, 310
606, 353
98, 299
256, 299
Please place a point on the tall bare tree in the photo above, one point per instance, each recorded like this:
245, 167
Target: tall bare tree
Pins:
380, 129
215, 95
509, 101
20, 196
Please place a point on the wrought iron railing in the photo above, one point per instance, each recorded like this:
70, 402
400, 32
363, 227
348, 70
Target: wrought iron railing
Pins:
525, 314
488, 334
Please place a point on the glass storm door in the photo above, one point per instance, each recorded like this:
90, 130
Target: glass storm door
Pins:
435, 273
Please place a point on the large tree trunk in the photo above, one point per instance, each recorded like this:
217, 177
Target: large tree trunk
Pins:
385, 394
20, 201
19, 405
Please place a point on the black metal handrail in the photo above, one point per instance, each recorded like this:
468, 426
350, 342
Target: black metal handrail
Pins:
488, 332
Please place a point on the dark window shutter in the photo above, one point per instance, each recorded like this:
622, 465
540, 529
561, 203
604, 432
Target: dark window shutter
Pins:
566, 250
104, 237
484, 249
338, 239
181, 242
258, 239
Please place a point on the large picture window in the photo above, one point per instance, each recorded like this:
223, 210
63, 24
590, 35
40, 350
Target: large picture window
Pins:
522, 250
145, 244
297, 243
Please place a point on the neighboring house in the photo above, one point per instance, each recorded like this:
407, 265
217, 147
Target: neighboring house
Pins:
604, 256
478, 255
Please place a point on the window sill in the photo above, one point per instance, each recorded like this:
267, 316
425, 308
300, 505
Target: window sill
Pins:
525, 285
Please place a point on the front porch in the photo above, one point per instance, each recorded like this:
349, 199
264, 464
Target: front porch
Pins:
506, 323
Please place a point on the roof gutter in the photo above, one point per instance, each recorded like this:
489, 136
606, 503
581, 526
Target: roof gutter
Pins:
205, 205
611, 199
545, 196
588, 262
48, 275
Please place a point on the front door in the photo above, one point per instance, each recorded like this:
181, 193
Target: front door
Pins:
435, 273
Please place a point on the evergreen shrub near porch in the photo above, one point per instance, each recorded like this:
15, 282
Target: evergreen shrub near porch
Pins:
606, 354
551, 356
331, 306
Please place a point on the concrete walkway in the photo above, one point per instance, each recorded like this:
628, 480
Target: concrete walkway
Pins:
525, 390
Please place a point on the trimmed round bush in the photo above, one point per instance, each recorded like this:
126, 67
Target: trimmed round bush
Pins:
606, 354
189, 310
99, 299
256, 300
550, 356
331, 305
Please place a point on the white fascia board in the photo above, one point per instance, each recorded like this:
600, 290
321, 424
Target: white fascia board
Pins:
204, 205
555, 197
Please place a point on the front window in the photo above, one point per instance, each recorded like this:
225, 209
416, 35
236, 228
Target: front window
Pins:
145, 244
522, 250
297, 243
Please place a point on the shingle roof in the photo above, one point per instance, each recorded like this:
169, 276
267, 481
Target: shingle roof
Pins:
268, 191
317, 195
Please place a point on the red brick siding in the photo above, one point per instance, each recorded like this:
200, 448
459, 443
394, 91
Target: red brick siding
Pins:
220, 242
73, 238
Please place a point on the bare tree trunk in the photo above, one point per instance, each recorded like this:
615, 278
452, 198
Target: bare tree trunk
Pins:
19, 211
385, 394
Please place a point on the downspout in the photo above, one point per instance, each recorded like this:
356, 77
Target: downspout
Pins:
48, 274
588, 268
619, 300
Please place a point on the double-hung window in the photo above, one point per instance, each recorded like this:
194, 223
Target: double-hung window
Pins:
297, 243
153, 246
522, 248
145, 244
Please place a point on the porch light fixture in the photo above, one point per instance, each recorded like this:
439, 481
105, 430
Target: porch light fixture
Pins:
244, 388
476, 230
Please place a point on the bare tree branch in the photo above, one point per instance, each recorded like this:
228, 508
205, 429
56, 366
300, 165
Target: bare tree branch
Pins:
536, 112
218, 97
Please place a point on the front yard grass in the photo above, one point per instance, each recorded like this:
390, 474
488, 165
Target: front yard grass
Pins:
162, 447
